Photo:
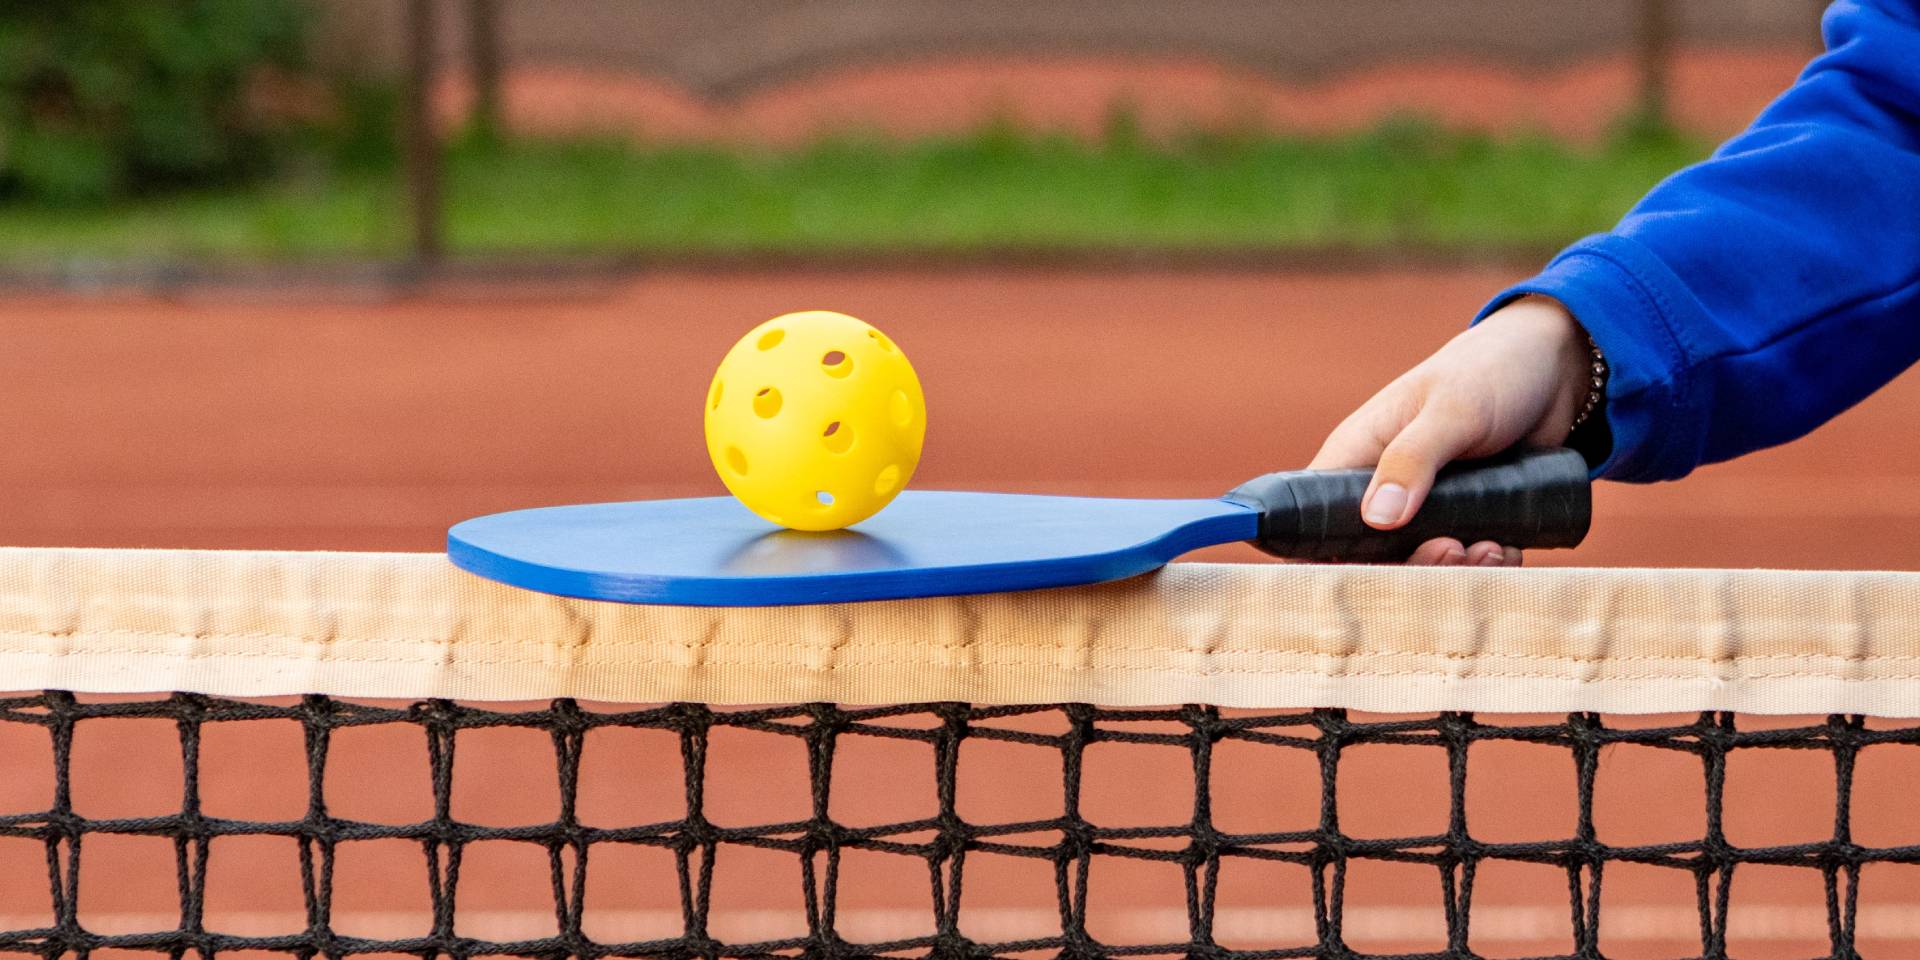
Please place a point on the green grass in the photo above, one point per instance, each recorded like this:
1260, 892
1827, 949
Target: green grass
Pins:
1403, 185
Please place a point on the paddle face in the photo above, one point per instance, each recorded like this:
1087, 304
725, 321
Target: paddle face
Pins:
714, 552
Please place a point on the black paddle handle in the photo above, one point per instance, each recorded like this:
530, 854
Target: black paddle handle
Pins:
1530, 499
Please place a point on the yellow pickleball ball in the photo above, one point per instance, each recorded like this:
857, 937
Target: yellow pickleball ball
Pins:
815, 420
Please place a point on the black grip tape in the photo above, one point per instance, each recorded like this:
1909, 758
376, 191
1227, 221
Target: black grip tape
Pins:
1532, 499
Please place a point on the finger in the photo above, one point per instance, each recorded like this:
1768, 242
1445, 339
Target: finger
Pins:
1408, 465
1354, 443
1486, 553
1360, 438
1514, 556
1439, 552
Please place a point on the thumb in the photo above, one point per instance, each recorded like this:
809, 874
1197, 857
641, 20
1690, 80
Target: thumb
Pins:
1407, 468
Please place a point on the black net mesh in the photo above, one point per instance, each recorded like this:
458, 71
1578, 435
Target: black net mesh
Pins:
942, 847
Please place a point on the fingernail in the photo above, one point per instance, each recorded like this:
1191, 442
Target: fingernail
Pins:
1387, 503
1494, 558
1454, 557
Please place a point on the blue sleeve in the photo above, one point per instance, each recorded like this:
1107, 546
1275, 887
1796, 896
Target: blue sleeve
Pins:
1754, 296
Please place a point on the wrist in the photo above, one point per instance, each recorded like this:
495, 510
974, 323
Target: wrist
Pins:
1583, 369
1583, 377
1571, 355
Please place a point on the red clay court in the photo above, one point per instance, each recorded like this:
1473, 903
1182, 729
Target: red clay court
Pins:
371, 422
354, 421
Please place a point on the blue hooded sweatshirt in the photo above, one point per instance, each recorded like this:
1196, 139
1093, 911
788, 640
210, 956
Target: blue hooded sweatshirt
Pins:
1752, 297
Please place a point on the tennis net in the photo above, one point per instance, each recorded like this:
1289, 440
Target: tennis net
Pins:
381, 755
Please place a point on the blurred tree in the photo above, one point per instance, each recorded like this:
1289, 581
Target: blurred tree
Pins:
100, 98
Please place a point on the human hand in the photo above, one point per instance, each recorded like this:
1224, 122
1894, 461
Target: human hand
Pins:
1520, 375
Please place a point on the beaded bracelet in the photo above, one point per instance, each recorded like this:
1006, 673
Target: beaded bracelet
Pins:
1597, 385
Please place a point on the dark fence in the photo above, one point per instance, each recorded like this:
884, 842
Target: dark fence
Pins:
730, 48
723, 48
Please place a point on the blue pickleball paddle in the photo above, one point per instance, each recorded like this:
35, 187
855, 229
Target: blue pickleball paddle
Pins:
712, 551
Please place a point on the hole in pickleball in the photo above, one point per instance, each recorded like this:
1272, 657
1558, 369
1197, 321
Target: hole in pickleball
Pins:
887, 480
771, 339
766, 403
837, 363
825, 498
713, 401
737, 460
838, 437
901, 409
882, 341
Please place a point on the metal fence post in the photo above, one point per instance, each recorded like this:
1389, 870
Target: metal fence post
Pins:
420, 140
485, 62
1653, 47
